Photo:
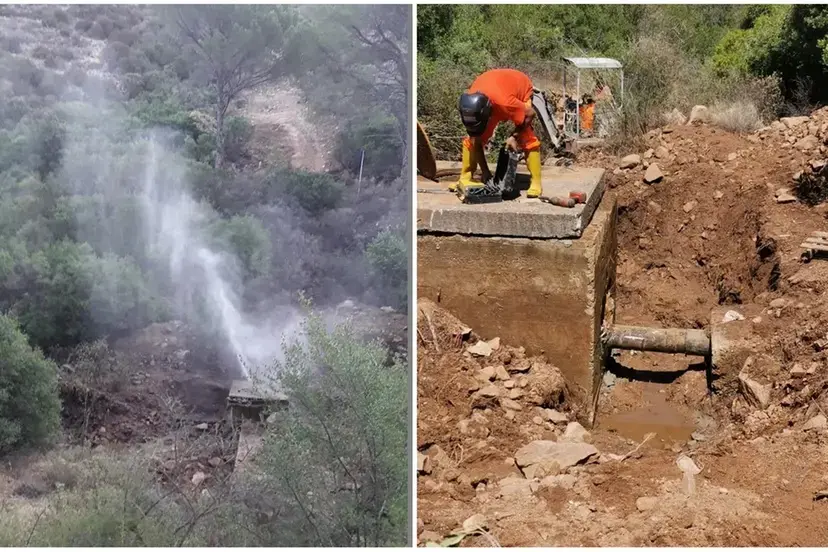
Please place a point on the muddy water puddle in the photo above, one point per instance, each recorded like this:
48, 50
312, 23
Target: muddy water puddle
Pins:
654, 414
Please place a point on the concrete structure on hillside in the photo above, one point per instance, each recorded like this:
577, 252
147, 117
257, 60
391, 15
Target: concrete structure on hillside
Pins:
535, 275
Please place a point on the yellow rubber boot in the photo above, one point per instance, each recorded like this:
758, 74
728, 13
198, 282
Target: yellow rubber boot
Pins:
533, 163
466, 170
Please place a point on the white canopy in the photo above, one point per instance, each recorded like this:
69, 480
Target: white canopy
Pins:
593, 63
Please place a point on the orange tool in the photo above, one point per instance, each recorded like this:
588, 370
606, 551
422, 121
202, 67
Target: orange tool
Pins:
559, 201
579, 197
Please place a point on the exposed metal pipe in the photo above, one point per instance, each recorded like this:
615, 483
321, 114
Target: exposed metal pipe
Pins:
658, 340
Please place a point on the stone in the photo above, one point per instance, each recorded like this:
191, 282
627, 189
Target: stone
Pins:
807, 143
649, 153
661, 152
487, 373
476, 522
784, 195
732, 316
521, 366
791, 122
429, 537
501, 373
510, 404
699, 114
732, 156
423, 464
554, 416
653, 174
718, 194
755, 393
198, 478
654, 207
509, 384
798, 371
515, 394
564, 480
565, 455
576, 433
202, 427
481, 348
817, 422
494, 343
630, 161
515, 487
675, 117
689, 206
778, 303
215, 461
646, 503
687, 465
491, 391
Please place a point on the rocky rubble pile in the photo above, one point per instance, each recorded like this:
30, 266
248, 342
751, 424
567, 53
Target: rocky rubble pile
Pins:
805, 133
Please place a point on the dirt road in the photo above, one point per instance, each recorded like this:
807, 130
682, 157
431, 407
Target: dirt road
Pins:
281, 122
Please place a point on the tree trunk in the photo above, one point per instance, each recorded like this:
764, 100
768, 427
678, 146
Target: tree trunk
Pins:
221, 109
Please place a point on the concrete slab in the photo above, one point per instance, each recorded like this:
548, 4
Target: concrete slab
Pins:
522, 217
249, 401
251, 441
550, 296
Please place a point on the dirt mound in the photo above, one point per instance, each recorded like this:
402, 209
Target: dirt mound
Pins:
143, 386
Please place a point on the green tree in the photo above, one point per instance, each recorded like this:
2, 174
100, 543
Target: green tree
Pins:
241, 47
340, 455
387, 255
29, 402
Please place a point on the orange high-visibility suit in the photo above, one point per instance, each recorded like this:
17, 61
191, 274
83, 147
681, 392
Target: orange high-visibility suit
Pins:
510, 92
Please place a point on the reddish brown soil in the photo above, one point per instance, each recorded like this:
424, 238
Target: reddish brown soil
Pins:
760, 469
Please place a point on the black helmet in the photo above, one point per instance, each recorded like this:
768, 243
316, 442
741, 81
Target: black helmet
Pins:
475, 110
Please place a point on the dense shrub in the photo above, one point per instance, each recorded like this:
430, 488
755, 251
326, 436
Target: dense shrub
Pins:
346, 432
29, 403
314, 192
237, 134
387, 255
246, 238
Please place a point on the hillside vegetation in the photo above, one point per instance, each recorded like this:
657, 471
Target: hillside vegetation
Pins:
205, 166
763, 59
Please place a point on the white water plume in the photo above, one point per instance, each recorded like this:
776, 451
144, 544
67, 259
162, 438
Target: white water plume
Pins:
205, 280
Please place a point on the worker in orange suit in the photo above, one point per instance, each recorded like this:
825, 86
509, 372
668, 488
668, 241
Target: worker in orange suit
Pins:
497, 96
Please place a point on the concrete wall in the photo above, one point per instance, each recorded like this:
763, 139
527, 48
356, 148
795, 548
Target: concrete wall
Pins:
545, 295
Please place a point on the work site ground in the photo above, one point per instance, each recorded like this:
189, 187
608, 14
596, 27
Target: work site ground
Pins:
706, 218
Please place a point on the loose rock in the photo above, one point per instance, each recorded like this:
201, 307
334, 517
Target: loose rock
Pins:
481, 348
576, 433
630, 161
544, 453
646, 503
554, 416
699, 114
423, 463
653, 174
817, 422
755, 393
501, 373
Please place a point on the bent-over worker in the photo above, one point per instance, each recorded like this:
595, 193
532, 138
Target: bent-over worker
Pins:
497, 96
